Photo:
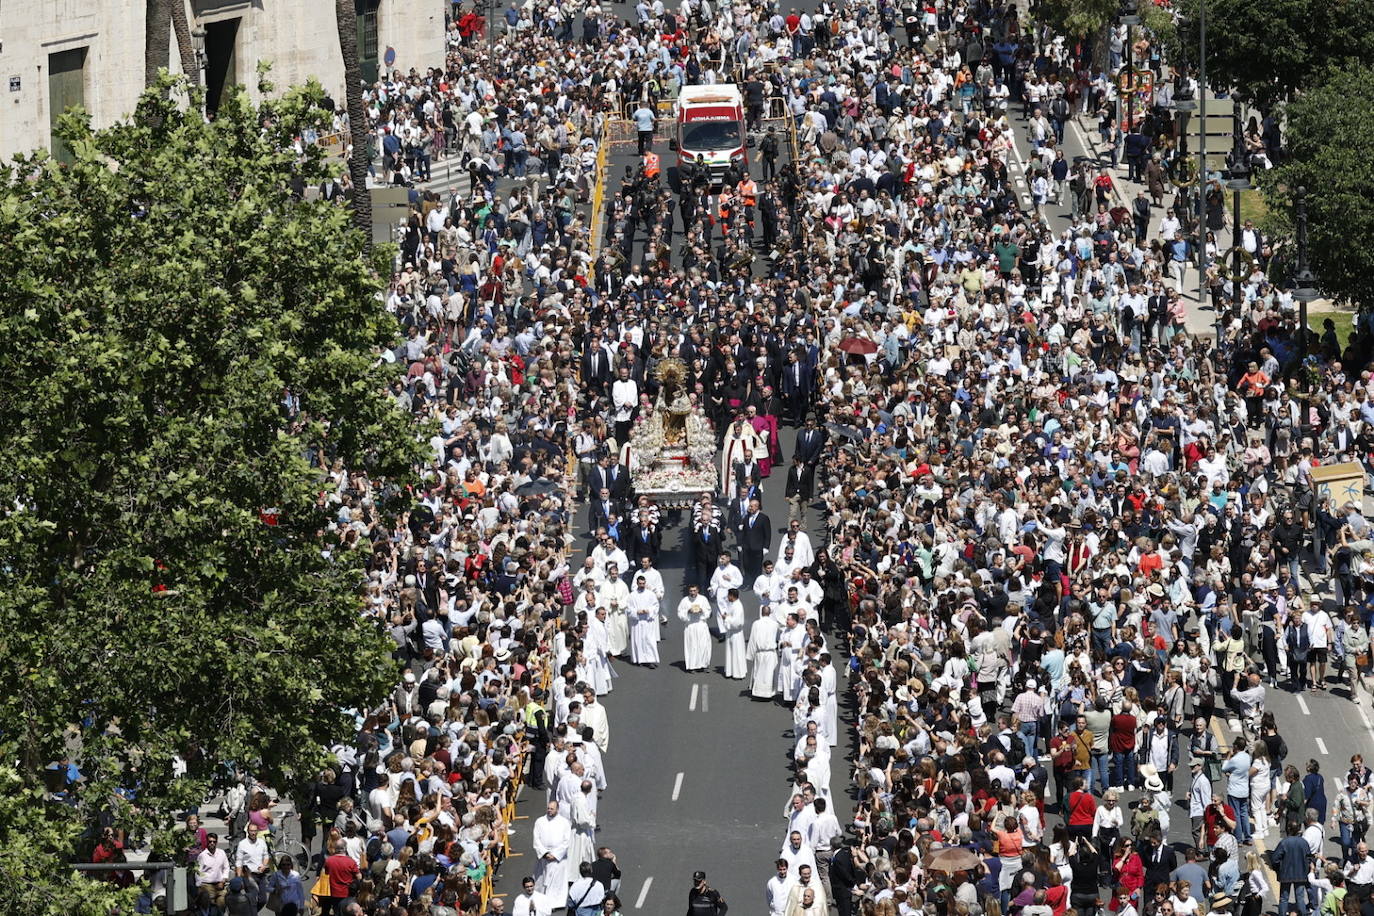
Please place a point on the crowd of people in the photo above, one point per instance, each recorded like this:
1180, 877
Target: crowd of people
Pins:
1063, 536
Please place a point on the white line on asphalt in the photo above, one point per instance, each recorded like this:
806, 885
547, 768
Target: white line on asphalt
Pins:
1321, 746
1364, 716
705, 697
677, 783
1302, 704
692, 704
644, 892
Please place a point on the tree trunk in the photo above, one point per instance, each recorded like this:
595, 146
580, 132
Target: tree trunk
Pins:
157, 23
189, 65
358, 198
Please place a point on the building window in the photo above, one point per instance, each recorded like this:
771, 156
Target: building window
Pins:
367, 38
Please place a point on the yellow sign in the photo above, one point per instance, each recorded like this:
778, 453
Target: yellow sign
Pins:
1343, 483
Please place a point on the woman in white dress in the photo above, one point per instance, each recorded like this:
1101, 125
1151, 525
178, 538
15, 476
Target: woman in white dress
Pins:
732, 625
1261, 784
694, 610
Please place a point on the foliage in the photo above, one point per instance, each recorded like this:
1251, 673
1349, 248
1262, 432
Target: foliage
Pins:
1267, 50
161, 295
1078, 17
1331, 154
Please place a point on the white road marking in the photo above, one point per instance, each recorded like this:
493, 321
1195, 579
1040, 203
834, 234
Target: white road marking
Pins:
644, 892
705, 697
1302, 704
1321, 746
1364, 716
692, 704
677, 783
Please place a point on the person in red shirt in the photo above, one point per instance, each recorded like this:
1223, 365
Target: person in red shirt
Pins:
1121, 744
1128, 872
1082, 811
1219, 816
343, 873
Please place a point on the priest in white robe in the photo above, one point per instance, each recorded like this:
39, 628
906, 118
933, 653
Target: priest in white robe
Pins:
694, 610
766, 583
654, 582
594, 717
789, 658
732, 626
552, 840
740, 437
727, 576
763, 655
614, 596
830, 703
596, 648
644, 611
583, 845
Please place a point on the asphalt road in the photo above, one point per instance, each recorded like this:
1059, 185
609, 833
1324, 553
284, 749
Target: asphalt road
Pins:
698, 771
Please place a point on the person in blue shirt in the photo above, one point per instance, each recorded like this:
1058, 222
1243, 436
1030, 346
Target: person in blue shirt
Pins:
1236, 769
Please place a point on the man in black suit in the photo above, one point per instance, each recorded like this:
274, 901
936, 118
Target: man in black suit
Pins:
796, 384
801, 485
596, 366
810, 443
738, 508
707, 543
748, 472
610, 475
601, 510
754, 535
644, 540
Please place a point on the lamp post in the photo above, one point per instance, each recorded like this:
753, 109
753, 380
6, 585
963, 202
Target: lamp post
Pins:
1304, 281
1130, 17
1239, 181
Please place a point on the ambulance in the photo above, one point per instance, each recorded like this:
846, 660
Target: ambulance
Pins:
709, 133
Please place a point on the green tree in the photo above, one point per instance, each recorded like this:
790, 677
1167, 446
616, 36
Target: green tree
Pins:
1267, 50
162, 293
1331, 154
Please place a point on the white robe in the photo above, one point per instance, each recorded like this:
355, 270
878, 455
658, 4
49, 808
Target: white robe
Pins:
732, 618
696, 636
653, 581
722, 580
830, 704
596, 647
765, 586
803, 554
552, 837
614, 596
594, 717
644, 612
583, 845
763, 655
790, 661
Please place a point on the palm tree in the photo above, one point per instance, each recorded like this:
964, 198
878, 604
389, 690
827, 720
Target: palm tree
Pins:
189, 65
157, 23
358, 197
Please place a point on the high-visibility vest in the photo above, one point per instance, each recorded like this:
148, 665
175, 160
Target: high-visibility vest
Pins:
651, 165
749, 192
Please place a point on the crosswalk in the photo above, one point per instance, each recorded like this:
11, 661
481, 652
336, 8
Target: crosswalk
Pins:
448, 176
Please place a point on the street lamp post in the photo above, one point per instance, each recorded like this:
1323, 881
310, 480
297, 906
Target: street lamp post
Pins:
1304, 281
1130, 17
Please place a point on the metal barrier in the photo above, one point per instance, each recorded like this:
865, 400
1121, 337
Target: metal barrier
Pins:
603, 153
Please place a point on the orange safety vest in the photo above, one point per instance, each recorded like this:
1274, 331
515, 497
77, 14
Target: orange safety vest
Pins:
651, 165
749, 192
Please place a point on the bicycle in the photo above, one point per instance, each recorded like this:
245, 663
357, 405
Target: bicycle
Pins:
283, 844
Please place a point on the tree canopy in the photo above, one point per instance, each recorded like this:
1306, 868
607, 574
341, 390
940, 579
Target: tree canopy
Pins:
1267, 50
162, 294
1331, 153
